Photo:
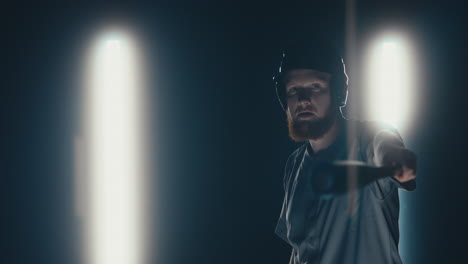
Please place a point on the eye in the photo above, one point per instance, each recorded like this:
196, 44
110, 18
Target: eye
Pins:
292, 92
316, 86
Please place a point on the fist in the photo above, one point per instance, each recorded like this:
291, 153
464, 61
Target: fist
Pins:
404, 161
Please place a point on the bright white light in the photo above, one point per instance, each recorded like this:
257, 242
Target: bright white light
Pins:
390, 85
113, 136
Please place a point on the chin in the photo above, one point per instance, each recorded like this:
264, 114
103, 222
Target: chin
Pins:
309, 129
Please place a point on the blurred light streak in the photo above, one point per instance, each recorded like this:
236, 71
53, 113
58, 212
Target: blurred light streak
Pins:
391, 82
113, 204
391, 86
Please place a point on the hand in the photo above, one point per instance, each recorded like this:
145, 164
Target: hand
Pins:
404, 161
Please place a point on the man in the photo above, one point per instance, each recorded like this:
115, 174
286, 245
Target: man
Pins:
359, 225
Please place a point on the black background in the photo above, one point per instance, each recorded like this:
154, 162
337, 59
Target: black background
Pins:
221, 135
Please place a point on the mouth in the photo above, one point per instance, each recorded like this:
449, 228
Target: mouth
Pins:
305, 114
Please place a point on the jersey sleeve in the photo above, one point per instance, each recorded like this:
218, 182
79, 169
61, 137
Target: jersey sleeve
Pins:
281, 229
384, 185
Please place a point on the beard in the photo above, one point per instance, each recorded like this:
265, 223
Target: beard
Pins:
302, 130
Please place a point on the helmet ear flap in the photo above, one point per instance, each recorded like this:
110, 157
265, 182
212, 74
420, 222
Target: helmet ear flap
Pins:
342, 96
281, 95
280, 91
344, 92
339, 91
339, 87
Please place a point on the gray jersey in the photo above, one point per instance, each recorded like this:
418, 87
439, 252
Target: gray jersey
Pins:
355, 227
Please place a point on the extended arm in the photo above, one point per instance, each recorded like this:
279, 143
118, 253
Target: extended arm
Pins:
390, 151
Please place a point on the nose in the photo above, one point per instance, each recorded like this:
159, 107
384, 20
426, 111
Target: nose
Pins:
304, 96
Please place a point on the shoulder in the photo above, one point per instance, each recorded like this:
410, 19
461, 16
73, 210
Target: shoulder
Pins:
296, 155
372, 127
298, 152
368, 130
293, 159
367, 133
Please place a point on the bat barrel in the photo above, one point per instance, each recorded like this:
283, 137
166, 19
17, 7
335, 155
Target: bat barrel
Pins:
329, 178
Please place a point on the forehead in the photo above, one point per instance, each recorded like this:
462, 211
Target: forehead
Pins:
305, 76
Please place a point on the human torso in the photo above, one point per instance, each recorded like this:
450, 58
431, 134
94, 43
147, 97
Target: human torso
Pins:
354, 227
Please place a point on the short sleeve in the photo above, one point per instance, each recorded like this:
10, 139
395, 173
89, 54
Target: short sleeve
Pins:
370, 131
281, 229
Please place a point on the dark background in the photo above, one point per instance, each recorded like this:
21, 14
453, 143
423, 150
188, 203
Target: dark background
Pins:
221, 135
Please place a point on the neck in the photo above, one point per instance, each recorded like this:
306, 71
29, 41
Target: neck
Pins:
329, 137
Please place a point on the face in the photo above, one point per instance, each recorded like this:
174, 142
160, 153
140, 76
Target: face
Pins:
310, 109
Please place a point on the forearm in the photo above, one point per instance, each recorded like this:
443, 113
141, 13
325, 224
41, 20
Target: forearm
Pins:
390, 151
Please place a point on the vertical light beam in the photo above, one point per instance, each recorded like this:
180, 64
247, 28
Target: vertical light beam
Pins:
114, 160
390, 83
391, 86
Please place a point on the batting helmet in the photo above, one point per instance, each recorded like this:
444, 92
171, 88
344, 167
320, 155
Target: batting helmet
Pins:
318, 56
